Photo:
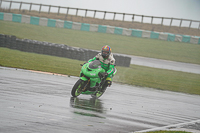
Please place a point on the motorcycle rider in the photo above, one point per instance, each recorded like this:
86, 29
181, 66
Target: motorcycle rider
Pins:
107, 63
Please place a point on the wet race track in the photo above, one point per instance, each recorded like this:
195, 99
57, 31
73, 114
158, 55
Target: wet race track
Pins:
36, 102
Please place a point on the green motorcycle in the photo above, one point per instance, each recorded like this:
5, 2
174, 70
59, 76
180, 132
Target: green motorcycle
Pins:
91, 73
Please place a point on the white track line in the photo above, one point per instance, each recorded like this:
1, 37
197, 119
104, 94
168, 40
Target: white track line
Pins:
167, 127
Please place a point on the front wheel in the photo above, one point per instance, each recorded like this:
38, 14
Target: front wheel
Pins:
77, 88
100, 92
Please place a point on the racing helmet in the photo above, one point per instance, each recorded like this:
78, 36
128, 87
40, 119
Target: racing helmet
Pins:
105, 51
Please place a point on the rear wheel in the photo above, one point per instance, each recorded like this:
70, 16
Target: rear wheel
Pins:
78, 88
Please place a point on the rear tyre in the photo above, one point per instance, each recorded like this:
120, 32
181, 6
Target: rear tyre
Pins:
78, 88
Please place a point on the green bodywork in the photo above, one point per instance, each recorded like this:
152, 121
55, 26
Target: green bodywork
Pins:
109, 68
89, 77
91, 72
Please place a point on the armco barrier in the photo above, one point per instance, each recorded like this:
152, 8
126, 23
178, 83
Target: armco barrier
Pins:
97, 28
85, 27
171, 37
26, 19
53, 49
102, 28
17, 18
118, 31
154, 35
110, 29
68, 24
1, 16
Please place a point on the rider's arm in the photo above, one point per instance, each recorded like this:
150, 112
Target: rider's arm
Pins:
111, 70
111, 67
95, 58
92, 59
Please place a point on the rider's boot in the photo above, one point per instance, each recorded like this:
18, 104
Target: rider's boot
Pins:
109, 83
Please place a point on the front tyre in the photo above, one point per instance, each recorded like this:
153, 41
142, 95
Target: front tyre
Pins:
77, 88
100, 93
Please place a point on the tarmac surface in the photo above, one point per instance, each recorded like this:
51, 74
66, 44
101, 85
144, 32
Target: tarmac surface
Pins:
41, 102
165, 64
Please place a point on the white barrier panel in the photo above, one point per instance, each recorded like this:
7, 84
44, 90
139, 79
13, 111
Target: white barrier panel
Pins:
25, 19
7, 17
178, 38
146, 34
126, 32
93, 27
194, 40
76, 26
163, 36
110, 29
60, 23
43, 21
98, 28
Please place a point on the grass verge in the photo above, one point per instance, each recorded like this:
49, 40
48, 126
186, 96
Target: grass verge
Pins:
134, 75
176, 51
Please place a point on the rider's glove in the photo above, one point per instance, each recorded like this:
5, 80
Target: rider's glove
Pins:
83, 63
103, 75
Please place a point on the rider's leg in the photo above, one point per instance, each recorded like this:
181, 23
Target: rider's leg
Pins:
109, 81
109, 78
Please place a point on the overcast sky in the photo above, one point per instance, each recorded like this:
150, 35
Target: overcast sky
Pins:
187, 9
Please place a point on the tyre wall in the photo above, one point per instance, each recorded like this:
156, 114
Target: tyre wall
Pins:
60, 50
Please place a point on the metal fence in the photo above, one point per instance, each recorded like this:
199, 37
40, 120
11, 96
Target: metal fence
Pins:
104, 14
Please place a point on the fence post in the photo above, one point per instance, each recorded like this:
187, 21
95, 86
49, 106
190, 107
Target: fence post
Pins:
104, 15
142, 19
94, 14
190, 24
0, 3
30, 7
171, 22
58, 10
199, 26
10, 5
86, 10
162, 21
20, 6
76, 11
180, 23
133, 18
40, 8
66, 13
114, 16
86, 13
49, 9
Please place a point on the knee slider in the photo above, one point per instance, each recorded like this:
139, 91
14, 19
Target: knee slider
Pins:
109, 82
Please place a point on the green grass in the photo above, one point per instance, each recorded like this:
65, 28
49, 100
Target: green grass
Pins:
32, 61
176, 51
134, 75
159, 79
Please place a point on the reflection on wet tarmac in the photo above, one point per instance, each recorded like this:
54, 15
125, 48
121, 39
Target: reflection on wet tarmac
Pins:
90, 105
35, 102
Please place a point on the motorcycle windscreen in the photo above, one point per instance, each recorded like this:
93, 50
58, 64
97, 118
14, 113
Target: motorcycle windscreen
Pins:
95, 64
